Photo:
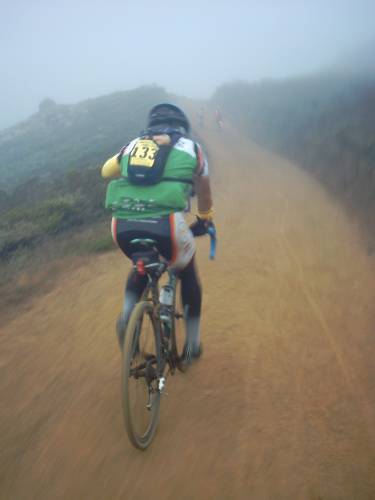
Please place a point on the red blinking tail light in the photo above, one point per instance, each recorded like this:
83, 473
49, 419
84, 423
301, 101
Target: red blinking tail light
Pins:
141, 267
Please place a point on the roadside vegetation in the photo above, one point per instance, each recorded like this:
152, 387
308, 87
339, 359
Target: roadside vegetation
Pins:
324, 123
62, 137
47, 220
52, 194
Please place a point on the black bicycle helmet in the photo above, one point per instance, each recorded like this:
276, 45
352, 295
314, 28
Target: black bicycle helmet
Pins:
168, 114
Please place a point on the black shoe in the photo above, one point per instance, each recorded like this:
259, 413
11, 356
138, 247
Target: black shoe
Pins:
191, 354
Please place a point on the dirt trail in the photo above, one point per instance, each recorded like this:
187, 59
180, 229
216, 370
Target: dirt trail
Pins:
282, 406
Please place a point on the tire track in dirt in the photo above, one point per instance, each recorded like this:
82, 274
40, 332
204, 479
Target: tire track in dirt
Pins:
348, 371
345, 367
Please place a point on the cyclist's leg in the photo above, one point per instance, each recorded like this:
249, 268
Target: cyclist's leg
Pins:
135, 285
122, 234
184, 263
191, 292
176, 244
124, 231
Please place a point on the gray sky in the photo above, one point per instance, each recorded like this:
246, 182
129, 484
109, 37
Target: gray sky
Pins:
71, 50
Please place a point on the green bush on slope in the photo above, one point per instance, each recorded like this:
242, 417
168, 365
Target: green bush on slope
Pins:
61, 136
324, 123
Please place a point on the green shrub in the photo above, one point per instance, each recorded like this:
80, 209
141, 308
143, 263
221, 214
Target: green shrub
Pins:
59, 136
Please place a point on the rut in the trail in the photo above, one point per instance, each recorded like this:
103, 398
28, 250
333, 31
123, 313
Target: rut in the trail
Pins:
282, 404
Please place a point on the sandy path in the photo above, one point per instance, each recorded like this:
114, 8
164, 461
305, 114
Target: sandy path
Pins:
282, 406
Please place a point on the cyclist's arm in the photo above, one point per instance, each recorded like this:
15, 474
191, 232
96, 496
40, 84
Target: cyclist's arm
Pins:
203, 190
111, 167
202, 185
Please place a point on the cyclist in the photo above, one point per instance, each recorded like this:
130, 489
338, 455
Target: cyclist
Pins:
218, 119
158, 171
200, 116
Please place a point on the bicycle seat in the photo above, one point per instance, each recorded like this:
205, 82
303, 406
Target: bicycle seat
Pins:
145, 243
145, 250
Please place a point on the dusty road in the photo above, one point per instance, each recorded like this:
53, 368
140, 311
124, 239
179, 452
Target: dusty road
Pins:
282, 406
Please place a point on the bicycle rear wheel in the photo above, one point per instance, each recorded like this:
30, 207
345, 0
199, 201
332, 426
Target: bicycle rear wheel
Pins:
140, 369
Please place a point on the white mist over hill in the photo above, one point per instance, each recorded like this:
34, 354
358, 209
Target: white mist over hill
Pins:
71, 50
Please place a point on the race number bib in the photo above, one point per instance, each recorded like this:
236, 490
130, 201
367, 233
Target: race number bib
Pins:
143, 154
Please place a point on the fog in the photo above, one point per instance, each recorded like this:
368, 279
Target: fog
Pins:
73, 50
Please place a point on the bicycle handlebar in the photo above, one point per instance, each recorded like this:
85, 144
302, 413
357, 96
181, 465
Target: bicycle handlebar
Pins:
201, 228
211, 231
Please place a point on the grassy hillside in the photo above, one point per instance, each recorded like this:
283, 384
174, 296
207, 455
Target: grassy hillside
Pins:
60, 137
54, 182
325, 123
52, 194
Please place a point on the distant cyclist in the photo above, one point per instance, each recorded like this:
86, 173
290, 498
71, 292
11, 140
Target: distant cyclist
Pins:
218, 119
157, 172
200, 116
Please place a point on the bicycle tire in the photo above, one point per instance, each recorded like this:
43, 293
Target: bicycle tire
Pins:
143, 311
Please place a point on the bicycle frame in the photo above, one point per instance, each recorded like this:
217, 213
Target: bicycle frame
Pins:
154, 271
164, 330
154, 365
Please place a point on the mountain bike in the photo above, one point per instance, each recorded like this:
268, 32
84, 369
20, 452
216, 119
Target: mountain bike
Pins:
153, 342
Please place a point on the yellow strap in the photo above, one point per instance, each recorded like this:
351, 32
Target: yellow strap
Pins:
206, 215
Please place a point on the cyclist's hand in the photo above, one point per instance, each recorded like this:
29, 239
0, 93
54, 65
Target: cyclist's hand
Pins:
199, 227
202, 224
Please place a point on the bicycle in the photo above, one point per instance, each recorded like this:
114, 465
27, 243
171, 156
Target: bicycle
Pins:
151, 348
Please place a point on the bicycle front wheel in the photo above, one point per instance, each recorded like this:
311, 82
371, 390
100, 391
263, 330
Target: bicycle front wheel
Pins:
140, 369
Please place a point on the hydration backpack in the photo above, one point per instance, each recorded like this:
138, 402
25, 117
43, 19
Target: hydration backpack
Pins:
147, 160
